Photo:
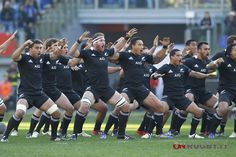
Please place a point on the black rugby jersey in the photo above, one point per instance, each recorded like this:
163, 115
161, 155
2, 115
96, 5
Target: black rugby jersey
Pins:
80, 78
174, 79
49, 74
133, 66
199, 66
30, 70
218, 55
96, 64
63, 77
227, 75
149, 70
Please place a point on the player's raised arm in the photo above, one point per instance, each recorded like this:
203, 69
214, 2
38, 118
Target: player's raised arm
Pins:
16, 56
6, 44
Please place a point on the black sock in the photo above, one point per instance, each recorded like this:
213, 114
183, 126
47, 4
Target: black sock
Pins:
181, 119
123, 118
17, 125
13, 121
79, 122
208, 121
149, 117
174, 119
112, 119
34, 121
216, 119
1, 117
222, 126
65, 123
44, 118
204, 122
158, 117
54, 126
194, 124
144, 122
97, 126
235, 125
151, 125
46, 126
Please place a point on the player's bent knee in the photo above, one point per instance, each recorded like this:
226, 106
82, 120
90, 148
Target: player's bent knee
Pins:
21, 108
86, 101
121, 103
52, 109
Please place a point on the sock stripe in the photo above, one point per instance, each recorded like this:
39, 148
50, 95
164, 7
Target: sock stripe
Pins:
54, 119
46, 115
124, 113
197, 119
217, 116
35, 117
158, 113
67, 117
114, 116
80, 114
182, 117
17, 119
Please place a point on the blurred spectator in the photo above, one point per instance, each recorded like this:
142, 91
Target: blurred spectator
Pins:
12, 76
5, 89
233, 5
206, 22
31, 10
230, 23
30, 31
7, 17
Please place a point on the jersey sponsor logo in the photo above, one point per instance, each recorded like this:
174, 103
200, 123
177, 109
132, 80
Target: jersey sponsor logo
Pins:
203, 70
138, 63
30, 61
229, 65
177, 75
170, 71
53, 67
146, 75
196, 66
102, 58
131, 58
66, 67
93, 54
234, 70
48, 63
37, 66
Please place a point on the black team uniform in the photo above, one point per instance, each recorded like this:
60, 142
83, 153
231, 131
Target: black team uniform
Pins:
226, 89
174, 81
30, 88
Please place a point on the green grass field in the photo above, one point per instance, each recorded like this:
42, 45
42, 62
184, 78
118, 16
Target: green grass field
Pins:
94, 147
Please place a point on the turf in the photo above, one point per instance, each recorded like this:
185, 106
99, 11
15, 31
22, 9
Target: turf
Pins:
94, 147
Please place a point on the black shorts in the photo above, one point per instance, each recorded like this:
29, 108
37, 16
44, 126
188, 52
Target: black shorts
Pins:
227, 97
104, 94
53, 93
138, 93
180, 102
72, 96
34, 100
200, 96
79, 92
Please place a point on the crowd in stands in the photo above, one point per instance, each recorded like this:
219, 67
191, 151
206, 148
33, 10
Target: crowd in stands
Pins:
22, 15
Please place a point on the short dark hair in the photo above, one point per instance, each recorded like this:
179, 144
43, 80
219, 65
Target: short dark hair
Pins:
230, 39
134, 40
188, 42
229, 49
199, 46
35, 41
50, 42
173, 52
